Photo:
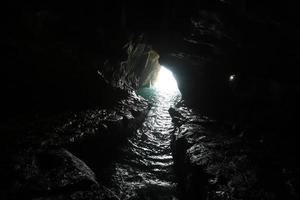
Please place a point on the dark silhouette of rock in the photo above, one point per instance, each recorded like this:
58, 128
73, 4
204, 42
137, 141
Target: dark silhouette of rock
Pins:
44, 168
212, 162
52, 173
139, 70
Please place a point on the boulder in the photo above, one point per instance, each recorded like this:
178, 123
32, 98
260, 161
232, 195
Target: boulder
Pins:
51, 173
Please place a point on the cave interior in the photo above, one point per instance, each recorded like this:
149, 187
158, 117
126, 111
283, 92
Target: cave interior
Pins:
80, 79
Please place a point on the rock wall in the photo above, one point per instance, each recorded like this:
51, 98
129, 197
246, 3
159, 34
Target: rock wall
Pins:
218, 39
52, 53
216, 161
139, 70
78, 59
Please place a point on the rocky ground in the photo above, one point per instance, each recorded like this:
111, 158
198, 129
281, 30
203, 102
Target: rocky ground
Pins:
60, 157
217, 161
69, 156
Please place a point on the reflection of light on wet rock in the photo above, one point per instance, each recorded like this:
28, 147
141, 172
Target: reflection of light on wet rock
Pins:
146, 168
208, 155
45, 168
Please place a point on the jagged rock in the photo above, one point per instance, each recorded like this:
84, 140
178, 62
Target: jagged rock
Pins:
45, 169
212, 162
71, 128
139, 70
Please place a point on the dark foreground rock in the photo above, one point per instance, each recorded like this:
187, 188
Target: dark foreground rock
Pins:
45, 163
216, 161
52, 174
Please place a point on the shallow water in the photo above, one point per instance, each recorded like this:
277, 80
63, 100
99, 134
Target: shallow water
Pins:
145, 168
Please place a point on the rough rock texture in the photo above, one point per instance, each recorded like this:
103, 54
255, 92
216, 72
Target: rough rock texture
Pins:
139, 70
216, 161
54, 50
43, 165
51, 172
258, 44
221, 38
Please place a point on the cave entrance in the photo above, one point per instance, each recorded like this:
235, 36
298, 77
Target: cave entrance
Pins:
165, 81
163, 88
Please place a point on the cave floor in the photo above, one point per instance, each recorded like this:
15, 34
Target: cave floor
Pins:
138, 151
145, 170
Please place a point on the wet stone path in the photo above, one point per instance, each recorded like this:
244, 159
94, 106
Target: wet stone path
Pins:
145, 167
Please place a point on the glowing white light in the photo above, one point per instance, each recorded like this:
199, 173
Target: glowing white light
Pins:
232, 77
165, 80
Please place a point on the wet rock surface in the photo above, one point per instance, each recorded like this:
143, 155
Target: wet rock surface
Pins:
61, 156
215, 161
54, 172
144, 169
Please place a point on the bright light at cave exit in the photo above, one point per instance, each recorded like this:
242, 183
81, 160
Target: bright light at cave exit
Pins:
165, 80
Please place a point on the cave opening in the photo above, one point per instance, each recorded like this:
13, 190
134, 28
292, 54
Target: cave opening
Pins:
163, 88
165, 80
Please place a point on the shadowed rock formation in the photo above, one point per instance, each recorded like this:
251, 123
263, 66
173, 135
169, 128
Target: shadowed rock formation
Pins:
43, 167
214, 161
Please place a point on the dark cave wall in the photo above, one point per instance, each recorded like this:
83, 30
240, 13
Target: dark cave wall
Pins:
260, 45
53, 52
56, 55
257, 42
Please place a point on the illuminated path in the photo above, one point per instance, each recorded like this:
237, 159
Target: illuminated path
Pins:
145, 170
